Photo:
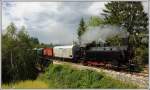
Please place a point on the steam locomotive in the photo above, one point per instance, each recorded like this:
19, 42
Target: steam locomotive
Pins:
105, 57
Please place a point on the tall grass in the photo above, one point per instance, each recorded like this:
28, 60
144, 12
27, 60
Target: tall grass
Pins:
63, 76
26, 84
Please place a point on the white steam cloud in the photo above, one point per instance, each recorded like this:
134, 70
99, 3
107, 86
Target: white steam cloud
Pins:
101, 33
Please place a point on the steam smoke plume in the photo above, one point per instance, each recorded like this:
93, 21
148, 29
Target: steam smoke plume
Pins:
101, 33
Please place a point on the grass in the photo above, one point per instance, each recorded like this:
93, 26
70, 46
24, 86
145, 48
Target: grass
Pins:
26, 84
63, 76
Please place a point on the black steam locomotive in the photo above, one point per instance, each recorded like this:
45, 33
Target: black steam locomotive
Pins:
106, 56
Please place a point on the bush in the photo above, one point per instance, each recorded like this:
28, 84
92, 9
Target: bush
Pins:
63, 76
140, 57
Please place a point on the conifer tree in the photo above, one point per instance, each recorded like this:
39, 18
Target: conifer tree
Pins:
81, 30
131, 16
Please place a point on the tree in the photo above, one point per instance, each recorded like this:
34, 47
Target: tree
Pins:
131, 16
34, 40
81, 29
114, 41
18, 60
95, 21
128, 14
11, 30
24, 38
7, 52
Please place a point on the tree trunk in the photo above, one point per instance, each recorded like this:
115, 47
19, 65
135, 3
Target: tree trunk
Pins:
11, 59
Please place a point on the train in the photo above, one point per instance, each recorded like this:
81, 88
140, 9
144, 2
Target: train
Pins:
111, 57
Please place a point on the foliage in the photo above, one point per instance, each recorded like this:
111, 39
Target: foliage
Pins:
35, 40
63, 76
18, 60
95, 21
115, 41
141, 55
81, 29
26, 84
42, 45
131, 16
128, 14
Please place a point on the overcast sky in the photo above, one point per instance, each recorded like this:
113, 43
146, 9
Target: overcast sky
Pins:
51, 22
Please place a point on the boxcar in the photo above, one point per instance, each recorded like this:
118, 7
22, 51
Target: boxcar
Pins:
63, 51
48, 52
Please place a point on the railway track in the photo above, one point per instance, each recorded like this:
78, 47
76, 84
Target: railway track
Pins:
81, 66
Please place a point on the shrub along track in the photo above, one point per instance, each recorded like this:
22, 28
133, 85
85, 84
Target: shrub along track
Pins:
138, 79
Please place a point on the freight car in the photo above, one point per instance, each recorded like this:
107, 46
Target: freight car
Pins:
44, 56
48, 53
63, 52
69, 52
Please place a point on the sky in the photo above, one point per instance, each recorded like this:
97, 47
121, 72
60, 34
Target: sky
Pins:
51, 22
